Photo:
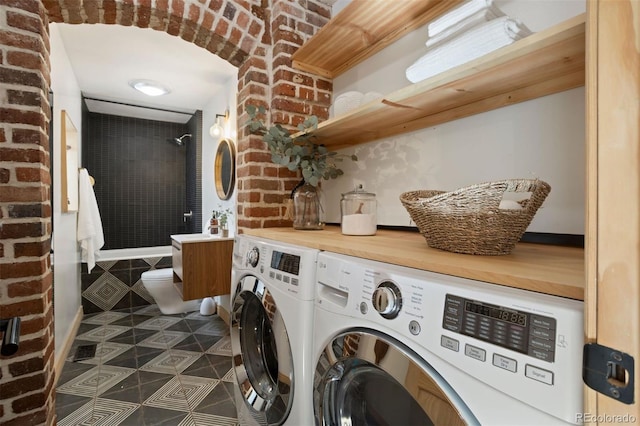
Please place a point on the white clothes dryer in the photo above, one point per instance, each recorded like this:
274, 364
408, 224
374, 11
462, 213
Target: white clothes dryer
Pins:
400, 346
271, 330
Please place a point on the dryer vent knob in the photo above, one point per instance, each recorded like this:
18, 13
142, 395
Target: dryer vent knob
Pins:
387, 300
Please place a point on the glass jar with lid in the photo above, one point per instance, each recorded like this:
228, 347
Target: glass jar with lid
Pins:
358, 209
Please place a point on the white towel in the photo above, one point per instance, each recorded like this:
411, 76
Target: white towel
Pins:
89, 233
458, 28
458, 14
476, 42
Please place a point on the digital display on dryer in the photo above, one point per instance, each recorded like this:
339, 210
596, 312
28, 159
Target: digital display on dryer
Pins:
502, 314
285, 262
525, 332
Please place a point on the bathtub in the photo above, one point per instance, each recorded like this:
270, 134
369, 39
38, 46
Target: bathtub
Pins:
133, 253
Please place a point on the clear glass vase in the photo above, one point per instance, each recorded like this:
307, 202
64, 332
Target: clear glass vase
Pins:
306, 208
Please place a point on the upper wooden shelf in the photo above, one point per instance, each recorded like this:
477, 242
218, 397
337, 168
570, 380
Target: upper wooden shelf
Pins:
544, 63
362, 28
554, 270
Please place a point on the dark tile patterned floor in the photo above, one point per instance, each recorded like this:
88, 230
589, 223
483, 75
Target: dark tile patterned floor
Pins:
149, 369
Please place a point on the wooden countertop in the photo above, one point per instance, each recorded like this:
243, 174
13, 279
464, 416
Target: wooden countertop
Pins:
546, 269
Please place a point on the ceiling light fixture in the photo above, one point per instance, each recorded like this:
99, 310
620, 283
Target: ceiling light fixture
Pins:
149, 88
218, 129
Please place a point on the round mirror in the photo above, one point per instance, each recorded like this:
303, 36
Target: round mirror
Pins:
225, 169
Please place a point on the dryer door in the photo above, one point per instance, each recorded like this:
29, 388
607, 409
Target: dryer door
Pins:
365, 378
262, 357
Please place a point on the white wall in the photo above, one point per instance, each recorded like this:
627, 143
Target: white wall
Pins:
66, 277
539, 138
221, 101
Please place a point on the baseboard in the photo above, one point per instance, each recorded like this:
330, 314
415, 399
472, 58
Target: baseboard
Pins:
223, 308
66, 347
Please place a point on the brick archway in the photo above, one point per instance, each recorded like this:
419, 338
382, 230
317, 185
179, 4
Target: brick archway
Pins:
258, 36
230, 29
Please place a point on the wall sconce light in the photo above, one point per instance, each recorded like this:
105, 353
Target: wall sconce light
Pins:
218, 129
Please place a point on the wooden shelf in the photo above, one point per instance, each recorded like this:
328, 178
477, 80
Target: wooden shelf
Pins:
545, 269
361, 29
544, 63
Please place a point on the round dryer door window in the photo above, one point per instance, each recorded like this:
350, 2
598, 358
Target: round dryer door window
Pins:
368, 379
262, 358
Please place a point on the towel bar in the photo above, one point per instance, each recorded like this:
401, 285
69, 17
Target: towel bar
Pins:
11, 339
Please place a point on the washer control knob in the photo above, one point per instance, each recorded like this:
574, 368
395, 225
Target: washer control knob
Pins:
387, 299
253, 256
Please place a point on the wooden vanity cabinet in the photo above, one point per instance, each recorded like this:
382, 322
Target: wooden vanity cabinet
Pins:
202, 268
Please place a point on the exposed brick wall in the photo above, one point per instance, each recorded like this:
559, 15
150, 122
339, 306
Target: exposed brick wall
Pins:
258, 36
26, 378
269, 79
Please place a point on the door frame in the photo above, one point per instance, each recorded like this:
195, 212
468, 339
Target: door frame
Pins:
612, 296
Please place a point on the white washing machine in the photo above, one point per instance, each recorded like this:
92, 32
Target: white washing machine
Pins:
271, 330
400, 346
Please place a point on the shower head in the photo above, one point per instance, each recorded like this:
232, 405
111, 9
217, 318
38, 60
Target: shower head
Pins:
180, 141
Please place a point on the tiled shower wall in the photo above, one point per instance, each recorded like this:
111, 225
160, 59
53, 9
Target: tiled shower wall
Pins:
140, 178
194, 174
117, 284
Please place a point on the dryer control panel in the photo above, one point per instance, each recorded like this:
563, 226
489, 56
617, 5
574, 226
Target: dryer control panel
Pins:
285, 262
283, 266
523, 332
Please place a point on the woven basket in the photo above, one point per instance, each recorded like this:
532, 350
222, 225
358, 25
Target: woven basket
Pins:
470, 220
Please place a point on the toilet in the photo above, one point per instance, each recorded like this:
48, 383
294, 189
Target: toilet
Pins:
159, 284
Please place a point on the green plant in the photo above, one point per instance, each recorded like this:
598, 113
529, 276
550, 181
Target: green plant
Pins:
314, 160
222, 216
